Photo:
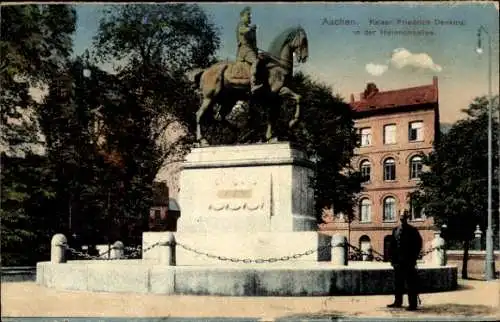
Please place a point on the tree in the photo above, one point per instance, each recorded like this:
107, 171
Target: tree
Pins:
69, 118
155, 45
327, 133
35, 43
454, 189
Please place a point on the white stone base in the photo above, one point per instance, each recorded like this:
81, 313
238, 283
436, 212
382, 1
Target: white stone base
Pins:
246, 188
277, 279
238, 245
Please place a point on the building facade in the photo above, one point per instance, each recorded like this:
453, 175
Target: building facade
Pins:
165, 212
396, 127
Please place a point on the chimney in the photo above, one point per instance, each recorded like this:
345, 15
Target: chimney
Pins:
352, 98
371, 90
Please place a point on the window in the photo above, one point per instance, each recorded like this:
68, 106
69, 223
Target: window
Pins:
389, 209
365, 210
390, 134
366, 136
157, 217
416, 212
365, 170
416, 131
415, 167
389, 169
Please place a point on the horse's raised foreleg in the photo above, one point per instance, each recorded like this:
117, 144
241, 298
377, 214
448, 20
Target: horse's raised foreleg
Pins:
285, 91
205, 105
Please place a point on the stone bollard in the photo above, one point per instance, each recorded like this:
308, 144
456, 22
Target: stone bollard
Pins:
339, 250
438, 250
367, 252
477, 238
58, 247
167, 251
117, 250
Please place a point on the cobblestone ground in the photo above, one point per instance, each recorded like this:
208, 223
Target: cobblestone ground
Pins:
26, 299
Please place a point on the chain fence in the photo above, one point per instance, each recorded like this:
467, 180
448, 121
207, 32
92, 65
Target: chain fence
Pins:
129, 253
354, 254
249, 260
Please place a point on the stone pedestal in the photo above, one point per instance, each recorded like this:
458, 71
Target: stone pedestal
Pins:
247, 201
248, 188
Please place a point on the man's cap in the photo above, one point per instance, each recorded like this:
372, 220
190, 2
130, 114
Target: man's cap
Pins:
245, 11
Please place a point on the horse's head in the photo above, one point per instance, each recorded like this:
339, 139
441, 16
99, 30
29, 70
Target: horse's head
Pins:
292, 41
299, 45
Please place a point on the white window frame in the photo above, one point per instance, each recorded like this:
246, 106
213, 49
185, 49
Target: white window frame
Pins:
390, 134
366, 136
416, 167
418, 127
421, 216
365, 210
388, 161
366, 164
385, 209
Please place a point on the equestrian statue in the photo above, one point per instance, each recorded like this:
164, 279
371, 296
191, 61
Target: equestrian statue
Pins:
255, 76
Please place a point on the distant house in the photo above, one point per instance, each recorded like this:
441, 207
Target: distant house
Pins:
165, 211
395, 128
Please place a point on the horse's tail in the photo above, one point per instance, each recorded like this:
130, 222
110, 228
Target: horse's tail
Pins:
194, 76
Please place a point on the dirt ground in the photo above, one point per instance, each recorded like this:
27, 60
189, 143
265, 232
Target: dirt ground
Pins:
26, 299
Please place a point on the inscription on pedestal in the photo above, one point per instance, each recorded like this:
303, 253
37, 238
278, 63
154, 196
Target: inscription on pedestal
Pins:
237, 195
229, 194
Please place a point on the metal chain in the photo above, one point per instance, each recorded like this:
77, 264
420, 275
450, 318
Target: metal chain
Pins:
136, 252
361, 252
249, 260
87, 256
427, 252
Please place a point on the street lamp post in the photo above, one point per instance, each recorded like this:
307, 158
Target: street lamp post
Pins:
490, 259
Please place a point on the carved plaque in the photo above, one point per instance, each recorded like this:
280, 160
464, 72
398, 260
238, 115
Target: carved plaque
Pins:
232, 193
229, 194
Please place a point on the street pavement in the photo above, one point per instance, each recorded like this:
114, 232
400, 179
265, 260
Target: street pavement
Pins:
474, 300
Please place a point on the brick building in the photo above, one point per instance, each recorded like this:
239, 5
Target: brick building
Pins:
395, 127
164, 213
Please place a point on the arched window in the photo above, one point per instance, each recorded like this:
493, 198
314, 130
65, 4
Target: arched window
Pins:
416, 212
364, 243
389, 209
365, 210
389, 169
365, 169
415, 167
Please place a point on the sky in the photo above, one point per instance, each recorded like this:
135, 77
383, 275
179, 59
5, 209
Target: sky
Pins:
347, 56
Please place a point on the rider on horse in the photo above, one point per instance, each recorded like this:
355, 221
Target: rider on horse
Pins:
247, 46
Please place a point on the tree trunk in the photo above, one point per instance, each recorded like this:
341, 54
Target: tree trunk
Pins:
465, 258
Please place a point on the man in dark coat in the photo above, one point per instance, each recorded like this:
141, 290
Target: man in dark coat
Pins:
406, 244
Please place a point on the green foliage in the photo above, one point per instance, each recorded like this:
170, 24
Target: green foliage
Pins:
68, 118
35, 42
172, 36
327, 133
454, 189
27, 225
155, 45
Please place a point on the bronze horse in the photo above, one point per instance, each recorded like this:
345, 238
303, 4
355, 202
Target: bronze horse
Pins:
225, 83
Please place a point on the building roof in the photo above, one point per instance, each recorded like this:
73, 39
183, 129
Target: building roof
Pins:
373, 100
160, 194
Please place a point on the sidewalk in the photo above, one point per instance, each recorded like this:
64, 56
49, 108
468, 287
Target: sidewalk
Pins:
26, 299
